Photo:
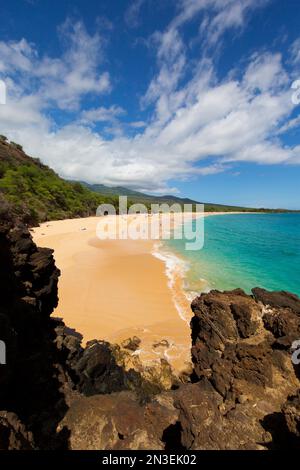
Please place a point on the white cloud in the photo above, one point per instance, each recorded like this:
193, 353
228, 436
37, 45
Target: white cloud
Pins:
132, 14
76, 74
171, 61
16, 56
268, 153
266, 73
295, 52
219, 15
290, 125
138, 124
102, 114
198, 126
64, 81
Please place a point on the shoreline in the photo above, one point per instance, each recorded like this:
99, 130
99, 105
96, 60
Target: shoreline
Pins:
116, 289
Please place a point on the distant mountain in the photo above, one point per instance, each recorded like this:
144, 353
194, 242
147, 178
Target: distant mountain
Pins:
119, 190
147, 199
35, 193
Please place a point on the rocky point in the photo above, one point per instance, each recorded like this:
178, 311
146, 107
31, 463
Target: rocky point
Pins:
243, 392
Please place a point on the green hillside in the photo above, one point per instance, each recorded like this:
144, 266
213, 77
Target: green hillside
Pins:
136, 196
112, 191
36, 193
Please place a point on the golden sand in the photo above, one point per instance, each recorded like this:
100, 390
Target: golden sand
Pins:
114, 289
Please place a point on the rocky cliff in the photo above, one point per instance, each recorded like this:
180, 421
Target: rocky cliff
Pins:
243, 392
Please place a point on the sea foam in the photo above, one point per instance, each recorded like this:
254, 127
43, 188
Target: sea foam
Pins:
176, 269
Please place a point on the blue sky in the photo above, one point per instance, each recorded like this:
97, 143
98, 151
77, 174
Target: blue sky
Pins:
190, 97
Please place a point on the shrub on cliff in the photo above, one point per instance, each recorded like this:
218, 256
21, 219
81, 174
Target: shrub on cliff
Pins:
36, 193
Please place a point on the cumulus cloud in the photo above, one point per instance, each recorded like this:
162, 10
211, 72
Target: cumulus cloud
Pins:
64, 80
198, 124
16, 56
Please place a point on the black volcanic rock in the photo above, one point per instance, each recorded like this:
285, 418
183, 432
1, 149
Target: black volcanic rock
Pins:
13, 433
29, 382
207, 424
243, 376
55, 394
118, 422
131, 343
99, 367
291, 412
46, 366
239, 398
279, 299
98, 371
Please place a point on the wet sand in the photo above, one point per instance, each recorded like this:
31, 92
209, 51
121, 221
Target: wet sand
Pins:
114, 289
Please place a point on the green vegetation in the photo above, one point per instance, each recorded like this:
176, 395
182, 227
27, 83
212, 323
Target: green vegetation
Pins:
147, 200
36, 193
17, 146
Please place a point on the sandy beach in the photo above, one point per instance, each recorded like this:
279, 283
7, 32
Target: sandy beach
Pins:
114, 289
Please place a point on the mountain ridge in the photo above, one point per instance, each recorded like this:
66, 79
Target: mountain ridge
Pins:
138, 196
36, 193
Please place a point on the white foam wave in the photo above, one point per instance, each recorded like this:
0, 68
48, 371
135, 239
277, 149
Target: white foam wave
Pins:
174, 267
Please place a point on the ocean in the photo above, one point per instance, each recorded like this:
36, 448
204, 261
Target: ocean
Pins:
246, 251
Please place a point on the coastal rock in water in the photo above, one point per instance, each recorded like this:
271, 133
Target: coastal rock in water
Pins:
164, 343
131, 343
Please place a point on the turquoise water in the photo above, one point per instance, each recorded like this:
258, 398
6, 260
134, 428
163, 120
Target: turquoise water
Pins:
246, 251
